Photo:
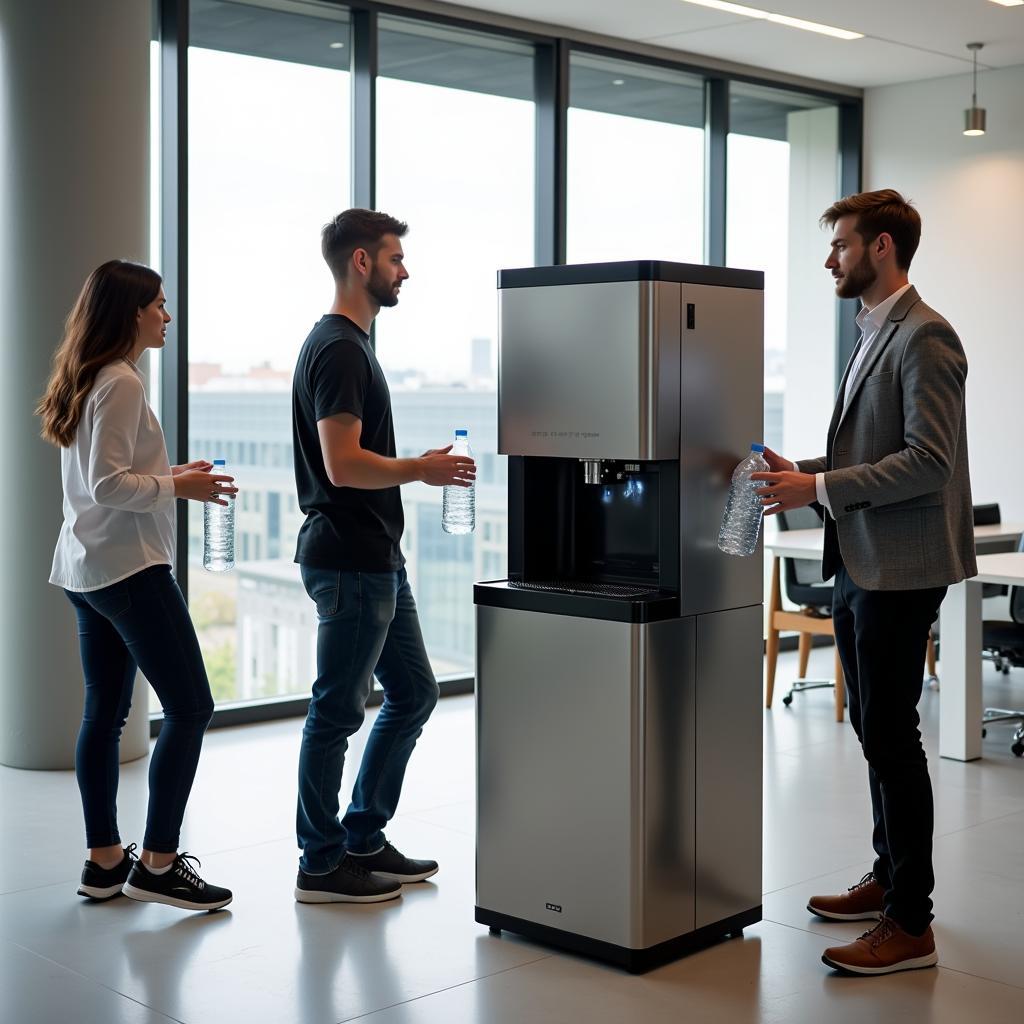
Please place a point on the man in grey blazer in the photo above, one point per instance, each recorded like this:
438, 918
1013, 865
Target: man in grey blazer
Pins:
896, 496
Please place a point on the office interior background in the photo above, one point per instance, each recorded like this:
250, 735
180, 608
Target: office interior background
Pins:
213, 138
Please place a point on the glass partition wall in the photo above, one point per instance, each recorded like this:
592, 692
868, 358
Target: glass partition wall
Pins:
494, 144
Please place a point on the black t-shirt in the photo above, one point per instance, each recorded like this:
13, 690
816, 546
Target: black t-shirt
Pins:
346, 527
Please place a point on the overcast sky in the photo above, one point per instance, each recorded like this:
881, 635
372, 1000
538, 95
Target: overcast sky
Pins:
269, 164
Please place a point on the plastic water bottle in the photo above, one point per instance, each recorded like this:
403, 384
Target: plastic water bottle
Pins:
458, 504
741, 523
219, 530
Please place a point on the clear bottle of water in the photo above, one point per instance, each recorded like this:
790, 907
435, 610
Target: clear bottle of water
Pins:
458, 504
219, 530
741, 523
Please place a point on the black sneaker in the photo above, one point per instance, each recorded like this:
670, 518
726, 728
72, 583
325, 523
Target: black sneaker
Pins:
387, 863
106, 883
179, 887
347, 883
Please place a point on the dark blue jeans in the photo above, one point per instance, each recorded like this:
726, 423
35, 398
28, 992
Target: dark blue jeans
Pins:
367, 625
141, 622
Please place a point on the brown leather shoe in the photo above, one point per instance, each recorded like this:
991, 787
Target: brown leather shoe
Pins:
885, 949
861, 902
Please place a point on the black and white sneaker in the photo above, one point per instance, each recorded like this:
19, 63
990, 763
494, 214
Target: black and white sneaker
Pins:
347, 883
106, 883
180, 887
387, 863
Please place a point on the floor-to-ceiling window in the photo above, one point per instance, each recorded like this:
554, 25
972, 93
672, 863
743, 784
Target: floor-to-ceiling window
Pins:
635, 162
464, 134
455, 160
783, 171
269, 163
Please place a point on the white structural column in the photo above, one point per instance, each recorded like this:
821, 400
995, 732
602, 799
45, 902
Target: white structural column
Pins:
960, 706
74, 129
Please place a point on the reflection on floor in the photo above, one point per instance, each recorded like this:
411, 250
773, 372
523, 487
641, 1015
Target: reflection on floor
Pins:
422, 960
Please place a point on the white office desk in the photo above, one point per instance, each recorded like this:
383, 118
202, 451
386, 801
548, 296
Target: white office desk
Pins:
811, 543
961, 705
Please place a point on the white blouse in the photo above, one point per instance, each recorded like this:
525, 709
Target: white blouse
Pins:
118, 488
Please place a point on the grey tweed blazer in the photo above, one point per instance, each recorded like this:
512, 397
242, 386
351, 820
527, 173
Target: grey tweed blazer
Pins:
896, 471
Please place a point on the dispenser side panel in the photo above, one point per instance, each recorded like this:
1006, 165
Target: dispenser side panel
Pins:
728, 763
669, 778
580, 371
556, 786
722, 413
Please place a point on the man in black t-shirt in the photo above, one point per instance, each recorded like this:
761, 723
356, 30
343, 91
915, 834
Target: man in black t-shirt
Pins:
348, 481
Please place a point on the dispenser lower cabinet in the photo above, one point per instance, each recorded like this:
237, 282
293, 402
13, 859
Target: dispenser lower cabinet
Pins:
619, 780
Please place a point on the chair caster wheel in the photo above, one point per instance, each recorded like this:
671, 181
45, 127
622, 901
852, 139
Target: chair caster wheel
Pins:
984, 733
788, 699
1017, 750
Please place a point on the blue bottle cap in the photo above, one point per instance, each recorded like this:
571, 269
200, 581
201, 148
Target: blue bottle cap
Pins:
757, 447
219, 462
462, 432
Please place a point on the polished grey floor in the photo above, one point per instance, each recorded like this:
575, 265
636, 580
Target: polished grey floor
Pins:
424, 960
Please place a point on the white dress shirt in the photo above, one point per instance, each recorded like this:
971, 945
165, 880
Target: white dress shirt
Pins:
118, 488
870, 321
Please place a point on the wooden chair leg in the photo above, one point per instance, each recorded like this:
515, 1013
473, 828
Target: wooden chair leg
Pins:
804, 653
772, 657
772, 649
840, 688
930, 656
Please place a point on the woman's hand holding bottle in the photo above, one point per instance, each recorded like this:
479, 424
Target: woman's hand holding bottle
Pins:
197, 484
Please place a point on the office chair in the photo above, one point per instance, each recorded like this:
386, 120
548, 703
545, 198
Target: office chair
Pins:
984, 515
1005, 641
805, 588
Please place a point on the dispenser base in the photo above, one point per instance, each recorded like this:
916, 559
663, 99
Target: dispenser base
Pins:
636, 961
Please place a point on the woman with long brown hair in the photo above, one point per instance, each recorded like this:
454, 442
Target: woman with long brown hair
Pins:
113, 560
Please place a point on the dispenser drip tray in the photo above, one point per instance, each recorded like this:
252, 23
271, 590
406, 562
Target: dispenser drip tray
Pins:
615, 602
579, 587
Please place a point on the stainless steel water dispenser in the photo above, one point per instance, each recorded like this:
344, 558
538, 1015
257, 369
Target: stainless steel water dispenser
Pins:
619, 665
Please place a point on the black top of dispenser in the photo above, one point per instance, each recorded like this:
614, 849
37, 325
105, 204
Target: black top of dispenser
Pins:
630, 270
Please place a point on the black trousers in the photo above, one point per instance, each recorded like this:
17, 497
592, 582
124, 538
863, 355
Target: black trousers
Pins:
882, 636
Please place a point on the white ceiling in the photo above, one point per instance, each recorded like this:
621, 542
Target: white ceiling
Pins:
905, 40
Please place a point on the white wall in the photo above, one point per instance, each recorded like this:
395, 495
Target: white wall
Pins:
970, 267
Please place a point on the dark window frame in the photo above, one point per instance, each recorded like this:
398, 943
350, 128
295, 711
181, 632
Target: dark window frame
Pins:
551, 76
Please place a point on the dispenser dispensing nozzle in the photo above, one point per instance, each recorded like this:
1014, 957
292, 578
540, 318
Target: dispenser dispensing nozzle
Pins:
608, 471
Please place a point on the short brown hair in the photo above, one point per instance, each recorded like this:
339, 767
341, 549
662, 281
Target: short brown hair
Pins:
881, 212
355, 229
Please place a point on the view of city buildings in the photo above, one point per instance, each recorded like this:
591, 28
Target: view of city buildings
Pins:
256, 624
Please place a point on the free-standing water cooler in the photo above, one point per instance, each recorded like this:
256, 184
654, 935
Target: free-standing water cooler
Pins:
619, 666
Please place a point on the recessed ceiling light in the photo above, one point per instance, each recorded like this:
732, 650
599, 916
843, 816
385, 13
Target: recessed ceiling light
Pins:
341, 46
778, 19
1009, 3
622, 81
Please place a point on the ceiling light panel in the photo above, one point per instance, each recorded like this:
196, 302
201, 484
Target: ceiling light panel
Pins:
778, 19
